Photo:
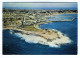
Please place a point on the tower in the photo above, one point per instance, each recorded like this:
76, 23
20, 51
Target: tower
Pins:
23, 21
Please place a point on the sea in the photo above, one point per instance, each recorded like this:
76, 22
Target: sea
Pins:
43, 8
14, 45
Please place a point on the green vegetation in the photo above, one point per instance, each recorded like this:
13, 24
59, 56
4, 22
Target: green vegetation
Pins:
28, 20
6, 24
32, 28
19, 17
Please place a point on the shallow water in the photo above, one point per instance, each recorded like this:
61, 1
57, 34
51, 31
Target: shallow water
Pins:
62, 17
13, 44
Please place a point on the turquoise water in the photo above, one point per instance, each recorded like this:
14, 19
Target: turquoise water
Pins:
13, 44
43, 8
62, 17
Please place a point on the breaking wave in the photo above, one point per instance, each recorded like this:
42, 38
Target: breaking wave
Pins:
37, 39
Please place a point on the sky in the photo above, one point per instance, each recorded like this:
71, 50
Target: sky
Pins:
19, 4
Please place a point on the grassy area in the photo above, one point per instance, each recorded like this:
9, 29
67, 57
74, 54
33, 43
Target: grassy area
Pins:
32, 28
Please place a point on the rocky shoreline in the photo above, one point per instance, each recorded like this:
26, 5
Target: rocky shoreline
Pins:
43, 34
35, 38
54, 33
53, 37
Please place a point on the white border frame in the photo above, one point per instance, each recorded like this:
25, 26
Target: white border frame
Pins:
39, 56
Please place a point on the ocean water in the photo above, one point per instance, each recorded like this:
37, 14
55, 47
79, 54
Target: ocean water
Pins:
62, 17
43, 8
13, 44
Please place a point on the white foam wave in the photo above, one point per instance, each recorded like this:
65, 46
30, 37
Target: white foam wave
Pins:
37, 39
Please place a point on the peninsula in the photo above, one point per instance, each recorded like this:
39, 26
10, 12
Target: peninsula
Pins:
28, 21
